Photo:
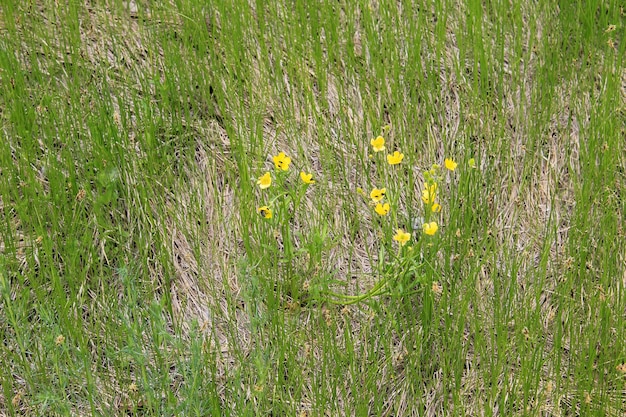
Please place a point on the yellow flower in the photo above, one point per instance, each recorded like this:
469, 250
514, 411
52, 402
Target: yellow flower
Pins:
436, 208
429, 193
282, 161
450, 164
378, 144
377, 194
306, 178
472, 163
395, 159
264, 181
402, 237
430, 228
265, 211
382, 209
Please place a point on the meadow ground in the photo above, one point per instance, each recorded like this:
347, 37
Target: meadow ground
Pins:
145, 271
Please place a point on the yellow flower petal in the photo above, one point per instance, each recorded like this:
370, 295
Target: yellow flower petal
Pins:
382, 209
306, 178
436, 208
395, 159
402, 237
264, 181
450, 164
378, 144
430, 228
377, 194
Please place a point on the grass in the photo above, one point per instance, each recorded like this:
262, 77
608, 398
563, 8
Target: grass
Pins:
137, 278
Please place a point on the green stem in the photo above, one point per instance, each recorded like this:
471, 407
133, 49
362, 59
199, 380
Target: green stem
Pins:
345, 299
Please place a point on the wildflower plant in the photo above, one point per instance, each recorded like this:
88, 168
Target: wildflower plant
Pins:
280, 198
400, 270
401, 258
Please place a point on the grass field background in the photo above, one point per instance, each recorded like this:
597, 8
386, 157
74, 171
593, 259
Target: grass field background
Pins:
138, 278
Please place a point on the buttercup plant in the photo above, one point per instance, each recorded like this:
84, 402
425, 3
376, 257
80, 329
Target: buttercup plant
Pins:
278, 209
402, 264
399, 269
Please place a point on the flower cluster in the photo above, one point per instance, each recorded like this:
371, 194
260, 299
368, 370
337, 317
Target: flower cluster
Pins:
396, 269
378, 194
281, 165
429, 192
